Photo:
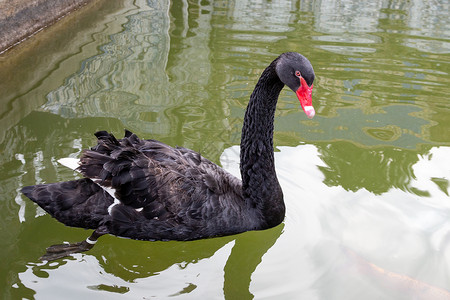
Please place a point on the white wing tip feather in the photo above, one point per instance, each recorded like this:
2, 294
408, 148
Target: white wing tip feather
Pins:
69, 162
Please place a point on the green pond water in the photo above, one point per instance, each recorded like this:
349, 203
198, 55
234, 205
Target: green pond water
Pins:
366, 182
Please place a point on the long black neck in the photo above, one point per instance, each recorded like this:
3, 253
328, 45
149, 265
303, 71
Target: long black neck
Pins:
260, 185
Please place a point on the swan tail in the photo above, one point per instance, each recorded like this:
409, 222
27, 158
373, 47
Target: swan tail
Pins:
78, 203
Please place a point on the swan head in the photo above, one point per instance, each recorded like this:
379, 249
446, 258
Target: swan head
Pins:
295, 71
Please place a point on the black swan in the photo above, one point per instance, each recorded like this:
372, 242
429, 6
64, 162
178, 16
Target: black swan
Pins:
157, 192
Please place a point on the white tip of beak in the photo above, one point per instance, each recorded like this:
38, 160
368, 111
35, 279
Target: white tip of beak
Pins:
309, 111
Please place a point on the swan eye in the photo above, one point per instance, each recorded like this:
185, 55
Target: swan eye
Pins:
298, 74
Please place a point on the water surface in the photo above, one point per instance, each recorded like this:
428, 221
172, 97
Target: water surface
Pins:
366, 182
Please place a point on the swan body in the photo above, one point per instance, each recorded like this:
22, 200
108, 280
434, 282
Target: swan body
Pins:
147, 190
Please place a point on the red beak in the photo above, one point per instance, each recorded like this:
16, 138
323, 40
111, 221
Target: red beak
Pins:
304, 96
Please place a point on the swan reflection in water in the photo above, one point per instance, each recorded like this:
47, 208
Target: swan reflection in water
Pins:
160, 269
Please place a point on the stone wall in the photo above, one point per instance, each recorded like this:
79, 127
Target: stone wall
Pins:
20, 19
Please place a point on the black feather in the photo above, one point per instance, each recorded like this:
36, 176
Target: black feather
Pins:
78, 203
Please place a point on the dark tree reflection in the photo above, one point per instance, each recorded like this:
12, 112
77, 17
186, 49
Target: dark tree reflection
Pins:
374, 169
